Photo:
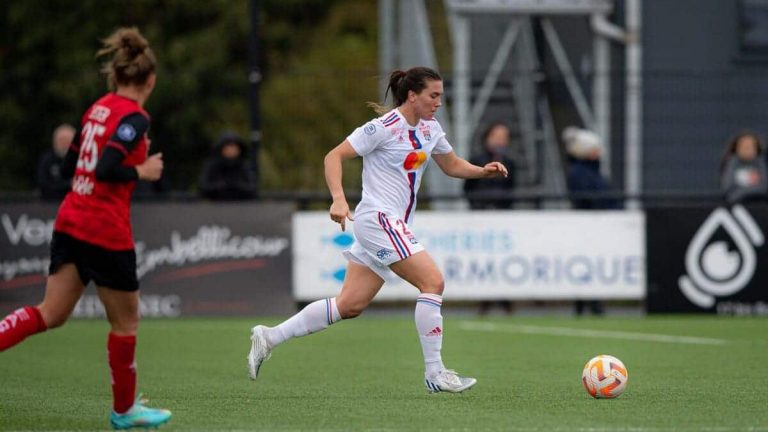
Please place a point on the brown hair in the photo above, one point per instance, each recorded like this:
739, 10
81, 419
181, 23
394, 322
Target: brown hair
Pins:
401, 82
131, 59
487, 131
730, 146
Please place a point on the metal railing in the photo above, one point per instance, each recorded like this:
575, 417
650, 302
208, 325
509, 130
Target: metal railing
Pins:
528, 199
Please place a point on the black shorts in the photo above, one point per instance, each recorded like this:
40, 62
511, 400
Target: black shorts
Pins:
106, 268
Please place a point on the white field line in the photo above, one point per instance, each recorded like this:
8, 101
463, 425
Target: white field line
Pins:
543, 429
600, 334
500, 429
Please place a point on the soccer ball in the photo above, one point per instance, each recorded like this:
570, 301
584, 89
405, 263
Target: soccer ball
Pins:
604, 377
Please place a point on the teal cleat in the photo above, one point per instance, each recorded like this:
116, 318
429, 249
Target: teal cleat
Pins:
140, 416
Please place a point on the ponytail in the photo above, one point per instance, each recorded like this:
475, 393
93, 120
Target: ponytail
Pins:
131, 60
401, 82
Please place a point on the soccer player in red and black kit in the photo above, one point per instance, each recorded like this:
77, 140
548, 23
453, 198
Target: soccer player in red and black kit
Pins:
92, 238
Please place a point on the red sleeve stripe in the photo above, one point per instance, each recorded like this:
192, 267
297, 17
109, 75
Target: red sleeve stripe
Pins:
118, 146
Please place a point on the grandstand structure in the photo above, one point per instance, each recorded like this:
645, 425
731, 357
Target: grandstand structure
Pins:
496, 74
662, 91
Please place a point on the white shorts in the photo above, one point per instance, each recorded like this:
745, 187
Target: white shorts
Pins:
381, 240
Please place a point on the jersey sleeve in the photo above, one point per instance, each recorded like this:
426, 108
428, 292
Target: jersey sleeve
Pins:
367, 137
442, 146
129, 132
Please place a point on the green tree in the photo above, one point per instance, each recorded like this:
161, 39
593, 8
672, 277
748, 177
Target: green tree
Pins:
50, 74
320, 98
319, 59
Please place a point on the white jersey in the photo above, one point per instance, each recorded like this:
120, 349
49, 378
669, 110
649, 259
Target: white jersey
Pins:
395, 156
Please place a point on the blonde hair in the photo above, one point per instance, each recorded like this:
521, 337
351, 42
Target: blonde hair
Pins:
131, 59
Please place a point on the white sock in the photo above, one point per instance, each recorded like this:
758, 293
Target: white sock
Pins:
429, 324
316, 316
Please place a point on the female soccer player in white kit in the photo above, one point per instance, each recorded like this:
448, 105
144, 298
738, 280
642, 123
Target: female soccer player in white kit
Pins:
395, 149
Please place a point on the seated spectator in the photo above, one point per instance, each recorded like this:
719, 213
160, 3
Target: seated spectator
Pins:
228, 174
743, 170
50, 179
491, 193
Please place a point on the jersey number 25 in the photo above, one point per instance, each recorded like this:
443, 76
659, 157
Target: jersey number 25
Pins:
89, 151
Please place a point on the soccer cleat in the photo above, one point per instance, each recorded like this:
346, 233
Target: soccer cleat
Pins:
140, 416
260, 351
448, 381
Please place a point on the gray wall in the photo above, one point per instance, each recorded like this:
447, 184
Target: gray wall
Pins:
698, 91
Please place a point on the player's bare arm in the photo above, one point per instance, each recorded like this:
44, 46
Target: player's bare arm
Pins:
454, 166
339, 211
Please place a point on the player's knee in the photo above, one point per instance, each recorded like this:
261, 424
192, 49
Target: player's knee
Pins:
433, 285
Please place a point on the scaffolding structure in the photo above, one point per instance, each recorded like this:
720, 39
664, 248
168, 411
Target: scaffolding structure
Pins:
405, 41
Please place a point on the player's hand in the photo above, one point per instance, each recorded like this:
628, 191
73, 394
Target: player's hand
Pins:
152, 168
495, 169
340, 213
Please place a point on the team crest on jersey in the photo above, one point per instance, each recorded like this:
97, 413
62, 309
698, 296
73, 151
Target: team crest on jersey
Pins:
425, 132
126, 132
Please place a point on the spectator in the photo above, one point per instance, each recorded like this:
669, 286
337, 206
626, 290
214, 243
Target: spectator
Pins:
490, 193
50, 178
228, 175
743, 170
584, 148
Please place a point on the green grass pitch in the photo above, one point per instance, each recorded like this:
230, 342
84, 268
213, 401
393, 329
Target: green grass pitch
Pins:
685, 373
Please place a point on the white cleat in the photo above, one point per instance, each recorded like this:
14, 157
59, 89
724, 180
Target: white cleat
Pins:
448, 381
260, 351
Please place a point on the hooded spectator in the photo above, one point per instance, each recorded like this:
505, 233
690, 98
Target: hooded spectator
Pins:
228, 174
584, 148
